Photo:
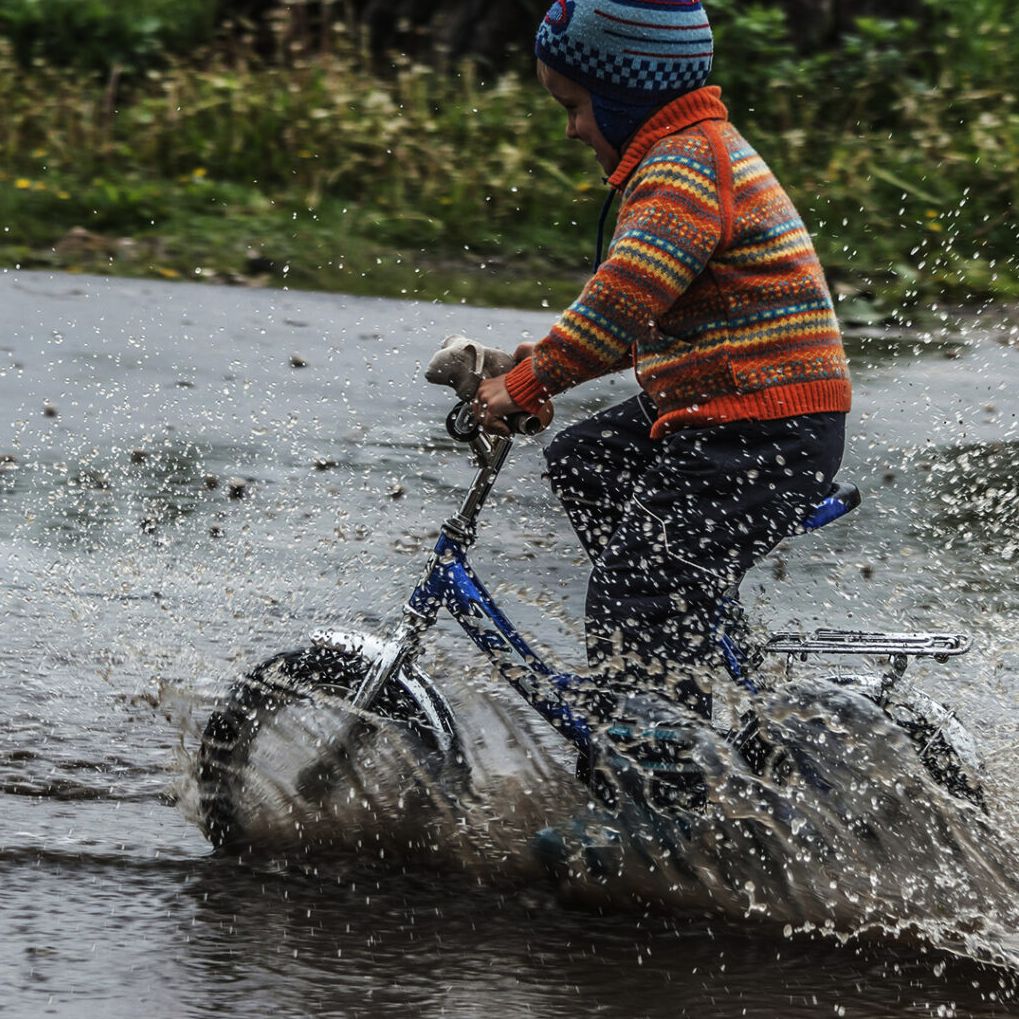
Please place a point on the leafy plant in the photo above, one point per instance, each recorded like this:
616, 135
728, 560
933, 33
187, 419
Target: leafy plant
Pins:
900, 156
103, 35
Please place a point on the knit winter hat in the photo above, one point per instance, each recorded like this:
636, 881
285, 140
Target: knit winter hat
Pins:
633, 56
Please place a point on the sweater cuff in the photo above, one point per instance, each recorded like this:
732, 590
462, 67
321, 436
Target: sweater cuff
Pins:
525, 389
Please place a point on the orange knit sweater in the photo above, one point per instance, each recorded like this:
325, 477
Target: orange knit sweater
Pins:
711, 287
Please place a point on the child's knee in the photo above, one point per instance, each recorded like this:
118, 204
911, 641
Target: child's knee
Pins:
562, 459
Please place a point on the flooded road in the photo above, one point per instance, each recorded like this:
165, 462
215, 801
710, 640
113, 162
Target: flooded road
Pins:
194, 478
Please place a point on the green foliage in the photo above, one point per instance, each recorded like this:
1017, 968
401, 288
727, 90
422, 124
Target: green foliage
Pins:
975, 43
100, 35
439, 160
898, 147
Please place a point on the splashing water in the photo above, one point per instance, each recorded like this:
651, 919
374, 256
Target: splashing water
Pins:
138, 589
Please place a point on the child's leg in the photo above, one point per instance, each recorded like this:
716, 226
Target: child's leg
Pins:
593, 466
713, 502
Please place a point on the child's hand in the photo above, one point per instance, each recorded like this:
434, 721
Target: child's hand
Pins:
523, 352
492, 403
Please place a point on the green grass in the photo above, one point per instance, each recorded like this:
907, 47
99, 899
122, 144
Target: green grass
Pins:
319, 173
226, 233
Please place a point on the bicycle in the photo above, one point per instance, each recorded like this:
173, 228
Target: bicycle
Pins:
383, 682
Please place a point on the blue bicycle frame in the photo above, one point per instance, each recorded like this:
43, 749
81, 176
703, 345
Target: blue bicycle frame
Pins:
452, 584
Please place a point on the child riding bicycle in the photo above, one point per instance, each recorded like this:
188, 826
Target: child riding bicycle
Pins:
711, 291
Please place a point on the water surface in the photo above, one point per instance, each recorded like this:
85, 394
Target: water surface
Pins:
135, 589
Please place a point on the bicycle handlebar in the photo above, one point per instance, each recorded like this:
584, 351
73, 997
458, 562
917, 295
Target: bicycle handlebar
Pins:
525, 424
464, 364
461, 424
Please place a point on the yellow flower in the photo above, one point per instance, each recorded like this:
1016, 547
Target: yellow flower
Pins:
63, 196
199, 172
170, 274
39, 185
22, 184
39, 154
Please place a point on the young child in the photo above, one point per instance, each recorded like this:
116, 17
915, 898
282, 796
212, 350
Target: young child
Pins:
712, 292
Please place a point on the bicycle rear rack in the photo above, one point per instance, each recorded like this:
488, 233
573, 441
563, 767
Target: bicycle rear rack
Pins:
939, 646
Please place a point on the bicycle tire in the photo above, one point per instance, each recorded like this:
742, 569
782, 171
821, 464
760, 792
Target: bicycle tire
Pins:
283, 680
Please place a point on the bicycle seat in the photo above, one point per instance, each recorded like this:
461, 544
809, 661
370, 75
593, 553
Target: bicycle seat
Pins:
842, 498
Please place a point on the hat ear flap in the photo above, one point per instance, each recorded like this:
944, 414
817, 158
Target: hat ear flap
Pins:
618, 120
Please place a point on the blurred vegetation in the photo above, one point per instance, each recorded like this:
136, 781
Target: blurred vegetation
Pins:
240, 140
105, 35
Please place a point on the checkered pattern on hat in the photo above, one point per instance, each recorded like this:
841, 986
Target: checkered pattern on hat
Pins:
636, 51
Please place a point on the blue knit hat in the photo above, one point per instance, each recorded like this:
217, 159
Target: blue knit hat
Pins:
633, 56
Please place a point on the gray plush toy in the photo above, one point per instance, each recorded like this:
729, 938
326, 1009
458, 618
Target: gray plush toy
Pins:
464, 364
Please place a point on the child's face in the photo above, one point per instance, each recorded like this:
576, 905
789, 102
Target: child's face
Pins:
580, 120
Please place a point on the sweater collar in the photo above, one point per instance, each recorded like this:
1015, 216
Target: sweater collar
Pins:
702, 104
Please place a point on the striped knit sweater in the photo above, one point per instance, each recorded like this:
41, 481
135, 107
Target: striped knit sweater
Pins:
711, 287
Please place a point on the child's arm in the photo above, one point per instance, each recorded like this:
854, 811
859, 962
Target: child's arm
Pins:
671, 225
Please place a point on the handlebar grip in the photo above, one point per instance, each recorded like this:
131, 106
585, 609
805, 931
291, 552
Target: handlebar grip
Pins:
525, 424
460, 423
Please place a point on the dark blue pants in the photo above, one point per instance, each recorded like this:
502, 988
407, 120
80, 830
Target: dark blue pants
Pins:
672, 526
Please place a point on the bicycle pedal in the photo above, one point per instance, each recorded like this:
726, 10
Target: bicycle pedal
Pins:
940, 646
623, 733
